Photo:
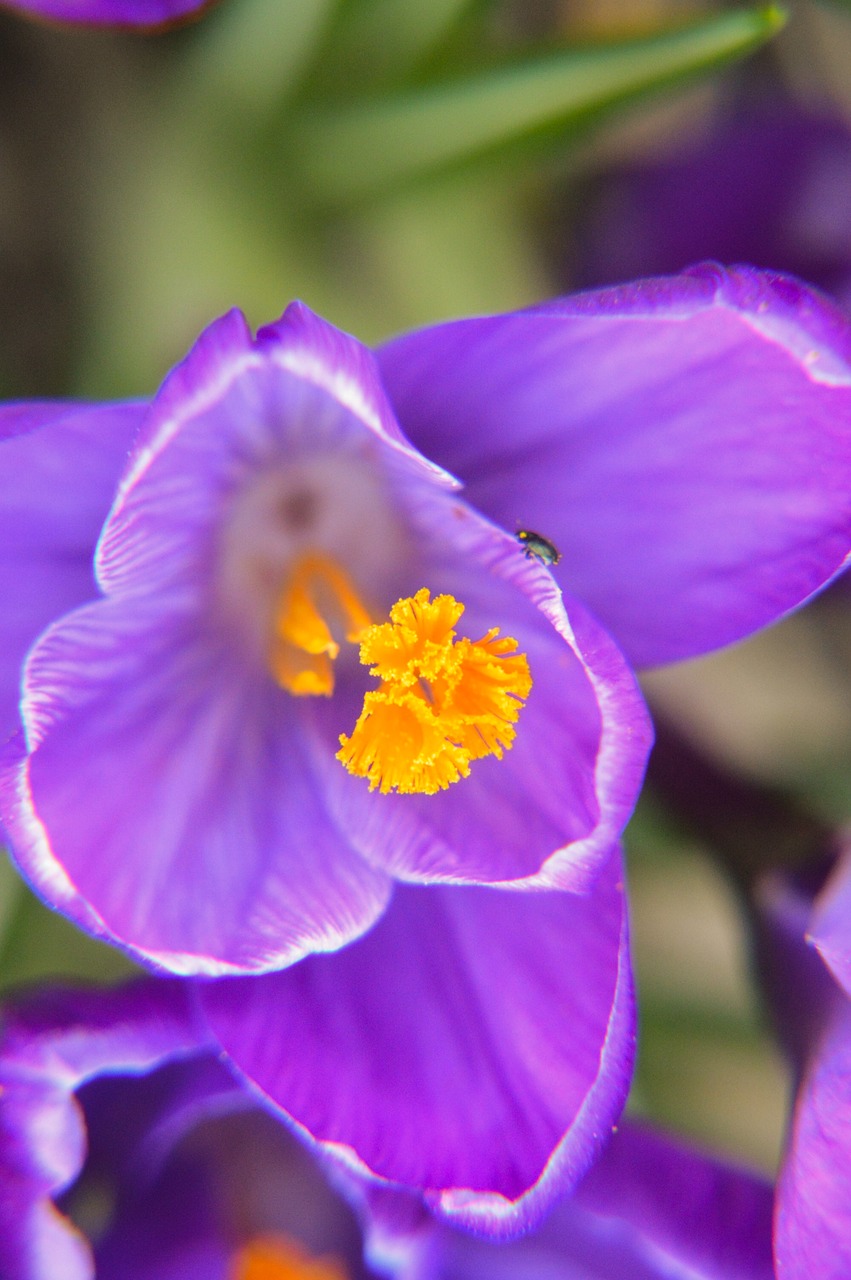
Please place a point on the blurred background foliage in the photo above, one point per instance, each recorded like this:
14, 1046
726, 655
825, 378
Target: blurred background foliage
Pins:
396, 162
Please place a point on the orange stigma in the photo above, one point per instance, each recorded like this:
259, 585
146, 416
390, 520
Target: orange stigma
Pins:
442, 702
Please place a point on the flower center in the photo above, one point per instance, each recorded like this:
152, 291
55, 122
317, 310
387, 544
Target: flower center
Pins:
442, 702
277, 1258
316, 595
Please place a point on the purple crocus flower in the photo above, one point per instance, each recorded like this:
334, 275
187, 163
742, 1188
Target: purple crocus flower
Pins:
319, 719
114, 1110
111, 13
768, 182
807, 931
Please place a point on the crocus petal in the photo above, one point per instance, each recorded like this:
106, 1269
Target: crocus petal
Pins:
685, 442
235, 405
50, 1046
486, 1035
59, 466
650, 1208
813, 1216
71, 1036
681, 1214
813, 1013
158, 766
111, 13
42, 1144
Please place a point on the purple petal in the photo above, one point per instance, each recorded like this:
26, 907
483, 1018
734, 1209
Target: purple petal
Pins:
813, 1212
168, 803
691, 1211
69, 1036
59, 466
650, 1209
41, 1150
684, 442
232, 409
813, 1216
486, 1036
112, 13
315, 350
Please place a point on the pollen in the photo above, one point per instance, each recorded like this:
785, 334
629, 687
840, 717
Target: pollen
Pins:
279, 1258
317, 596
441, 703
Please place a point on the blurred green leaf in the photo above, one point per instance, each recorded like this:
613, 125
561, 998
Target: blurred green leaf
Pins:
11, 892
713, 1077
38, 944
349, 152
251, 55
374, 40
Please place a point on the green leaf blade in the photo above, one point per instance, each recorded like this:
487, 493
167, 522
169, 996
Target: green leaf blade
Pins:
350, 152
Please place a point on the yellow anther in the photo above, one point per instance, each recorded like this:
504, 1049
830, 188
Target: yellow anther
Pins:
303, 647
441, 703
278, 1258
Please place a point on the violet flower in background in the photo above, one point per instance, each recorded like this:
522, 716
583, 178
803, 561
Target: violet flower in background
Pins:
114, 1110
111, 13
768, 183
210, 778
796, 888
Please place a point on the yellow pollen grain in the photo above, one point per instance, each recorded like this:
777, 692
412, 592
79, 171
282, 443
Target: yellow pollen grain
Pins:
441, 702
303, 649
279, 1258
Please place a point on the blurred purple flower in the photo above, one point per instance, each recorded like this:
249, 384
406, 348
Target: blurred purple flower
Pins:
179, 787
111, 13
769, 183
807, 947
114, 1110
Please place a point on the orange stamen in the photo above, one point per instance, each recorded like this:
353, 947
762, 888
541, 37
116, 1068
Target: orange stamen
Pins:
441, 703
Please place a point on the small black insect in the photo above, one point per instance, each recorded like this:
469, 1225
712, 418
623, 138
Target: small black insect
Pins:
536, 547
